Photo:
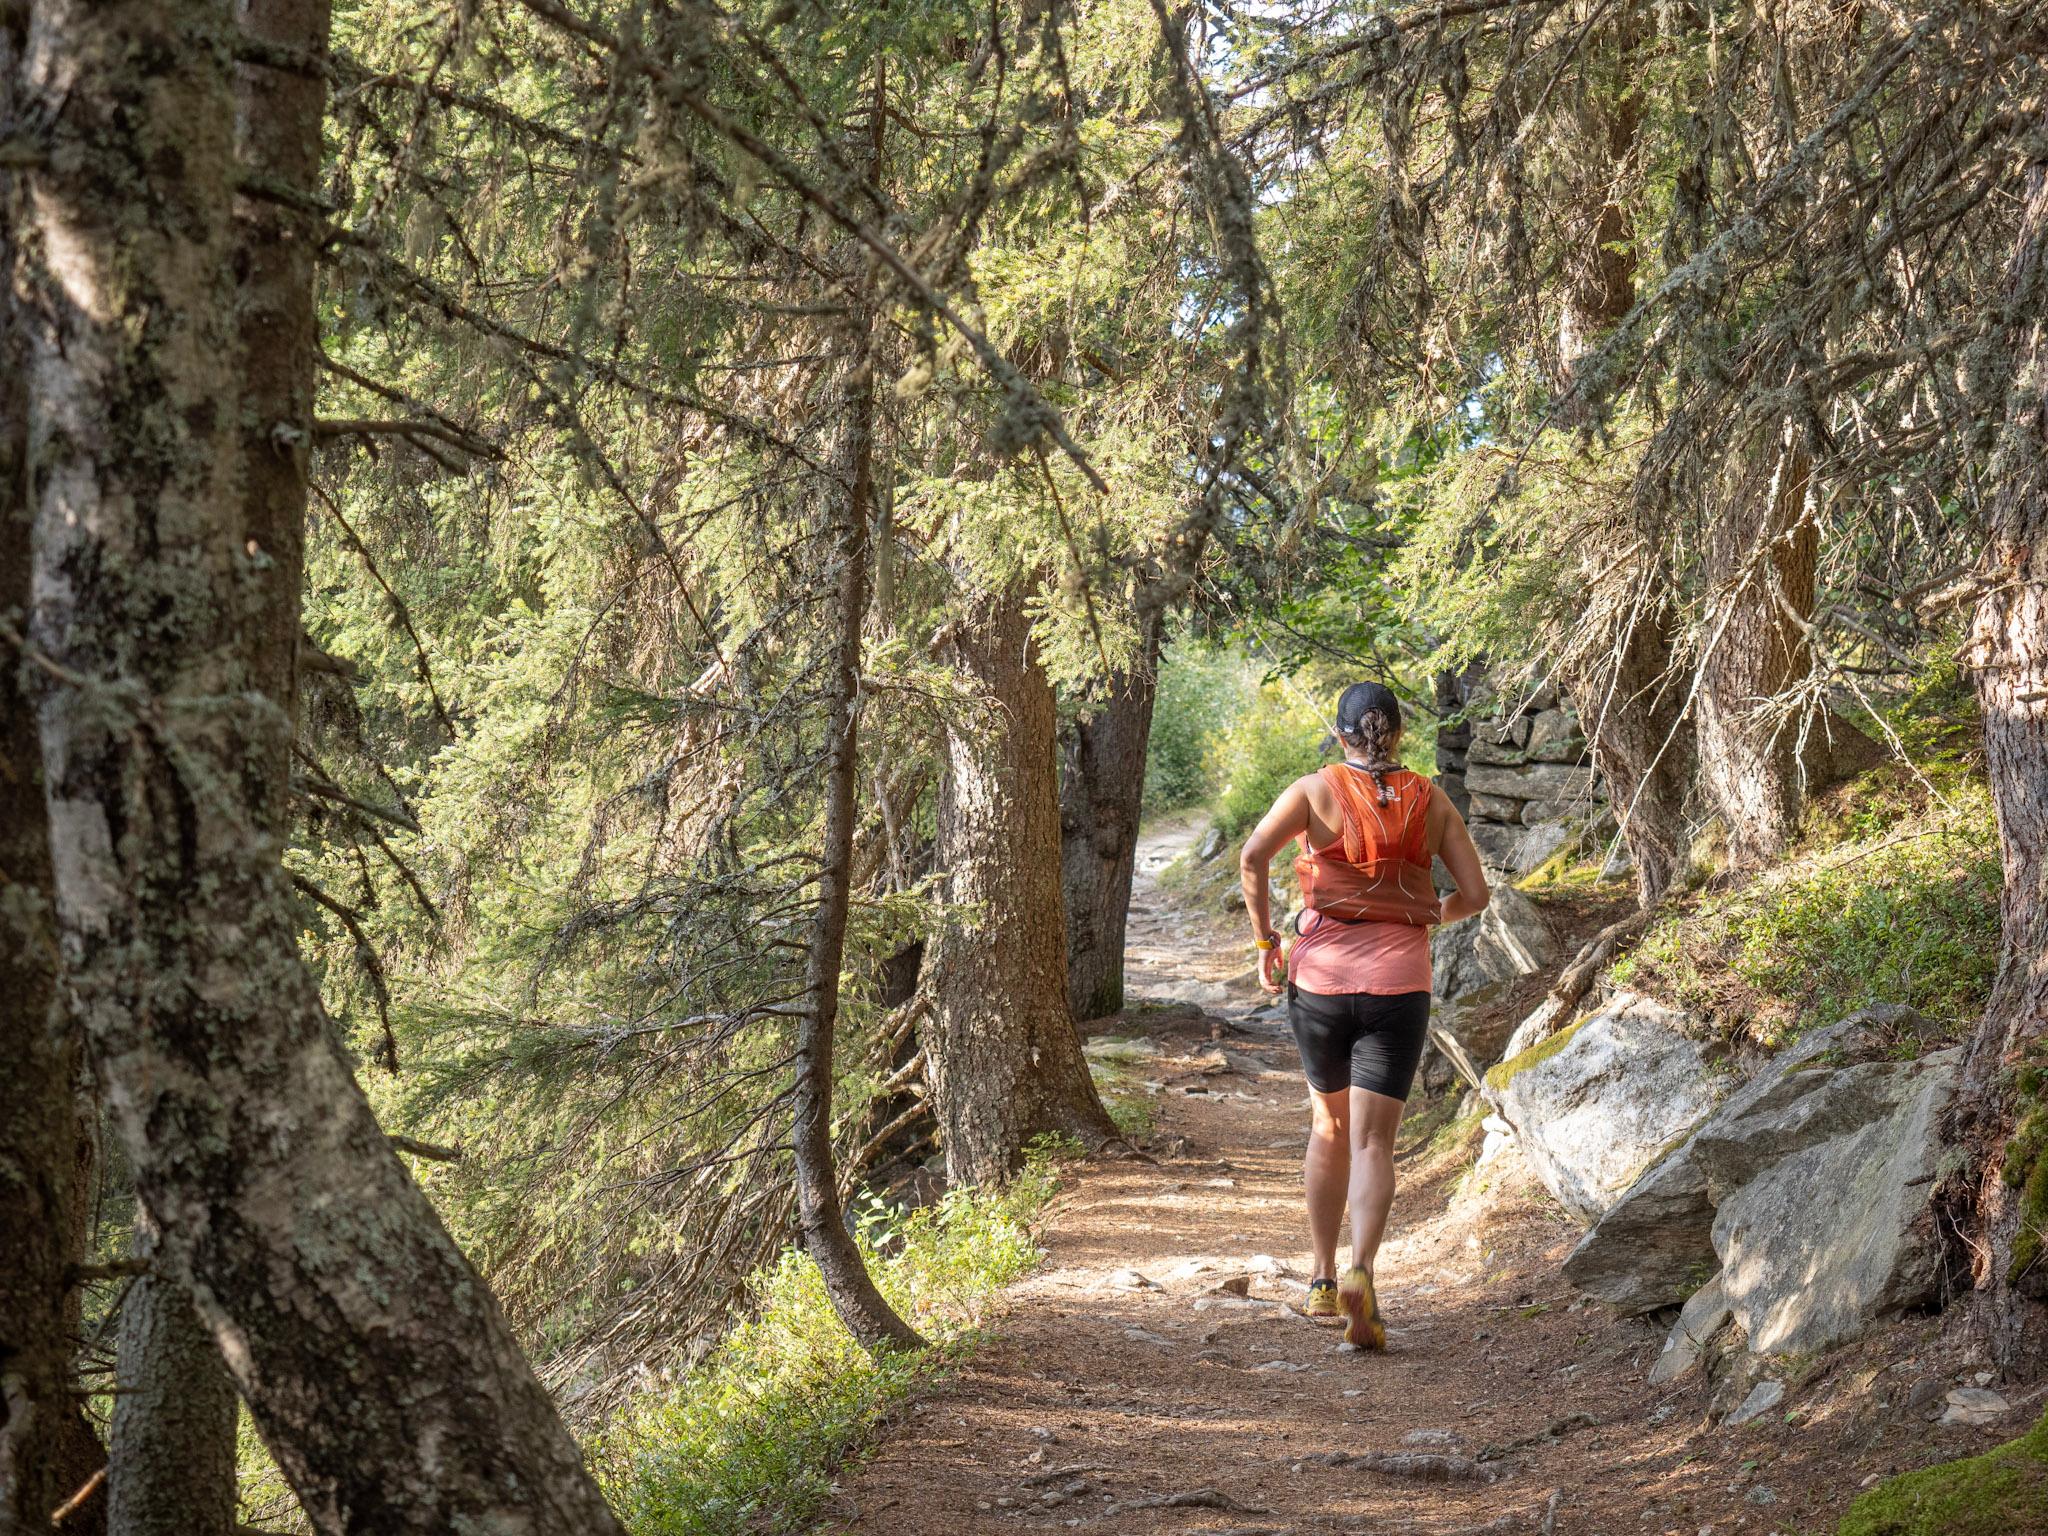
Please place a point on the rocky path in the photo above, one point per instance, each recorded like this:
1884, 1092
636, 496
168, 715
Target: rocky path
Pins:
1156, 1376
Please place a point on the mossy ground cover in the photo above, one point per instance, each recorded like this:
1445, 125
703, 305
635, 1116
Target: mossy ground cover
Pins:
2004, 1492
1891, 897
751, 1438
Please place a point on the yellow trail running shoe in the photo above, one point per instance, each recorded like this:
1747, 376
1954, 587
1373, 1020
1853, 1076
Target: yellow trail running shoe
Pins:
1322, 1299
1362, 1326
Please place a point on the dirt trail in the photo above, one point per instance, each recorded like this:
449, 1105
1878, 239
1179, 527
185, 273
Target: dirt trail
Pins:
1159, 1355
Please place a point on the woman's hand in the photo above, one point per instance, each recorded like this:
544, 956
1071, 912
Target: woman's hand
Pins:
1272, 969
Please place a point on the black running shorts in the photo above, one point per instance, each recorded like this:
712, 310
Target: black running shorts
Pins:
1366, 1039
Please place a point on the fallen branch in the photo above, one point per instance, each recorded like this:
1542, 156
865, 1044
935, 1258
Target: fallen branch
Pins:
1193, 1498
1574, 982
1549, 1433
1054, 1474
1424, 1466
426, 1149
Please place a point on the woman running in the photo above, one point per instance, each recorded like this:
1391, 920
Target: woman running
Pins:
1357, 992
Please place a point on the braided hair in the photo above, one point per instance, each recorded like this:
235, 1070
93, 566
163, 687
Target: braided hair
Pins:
1369, 722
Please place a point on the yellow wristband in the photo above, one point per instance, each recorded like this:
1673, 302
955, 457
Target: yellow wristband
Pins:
1263, 944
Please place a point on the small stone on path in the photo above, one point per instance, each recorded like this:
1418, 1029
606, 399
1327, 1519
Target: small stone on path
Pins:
1131, 1280
1974, 1405
1763, 1397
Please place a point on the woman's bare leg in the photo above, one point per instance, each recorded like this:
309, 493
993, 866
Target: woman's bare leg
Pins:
1326, 1173
1374, 1120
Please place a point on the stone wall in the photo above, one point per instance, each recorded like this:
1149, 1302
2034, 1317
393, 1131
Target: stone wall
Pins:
1520, 771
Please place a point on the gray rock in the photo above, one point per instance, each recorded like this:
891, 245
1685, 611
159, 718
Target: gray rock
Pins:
1761, 1495
1532, 781
1810, 1183
1831, 1236
1494, 754
1502, 733
1496, 844
1593, 1111
1763, 1397
1705, 1314
1654, 1244
1496, 808
1585, 815
1130, 1280
1452, 782
1975, 1405
1211, 845
1923, 1392
1544, 695
1537, 847
1554, 737
1620, 865
1477, 956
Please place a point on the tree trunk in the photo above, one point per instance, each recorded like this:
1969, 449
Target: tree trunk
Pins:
49, 1453
2008, 655
1102, 791
1633, 706
47, 1450
172, 1441
377, 1365
279, 116
867, 1315
1005, 1058
1761, 572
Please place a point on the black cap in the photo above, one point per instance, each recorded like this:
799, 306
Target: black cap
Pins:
1360, 698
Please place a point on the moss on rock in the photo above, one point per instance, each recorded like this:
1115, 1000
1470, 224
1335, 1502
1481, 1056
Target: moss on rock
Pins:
2004, 1492
1500, 1074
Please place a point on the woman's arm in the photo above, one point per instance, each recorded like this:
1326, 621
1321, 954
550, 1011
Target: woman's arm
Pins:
1284, 823
1461, 858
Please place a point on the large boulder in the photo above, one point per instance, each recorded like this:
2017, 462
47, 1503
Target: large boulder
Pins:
1820, 1243
1598, 1103
1654, 1246
1807, 1188
1474, 958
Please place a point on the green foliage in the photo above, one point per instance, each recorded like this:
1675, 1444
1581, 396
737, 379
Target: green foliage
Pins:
1276, 739
2003, 1491
749, 1439
1894, 899
1201, 690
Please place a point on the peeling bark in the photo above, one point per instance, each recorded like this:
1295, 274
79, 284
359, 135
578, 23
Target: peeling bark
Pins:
47, 1449
1633, 706
2008, 657
172, 1441
1102, 791
377, 1365
1762, 555
1005, 1059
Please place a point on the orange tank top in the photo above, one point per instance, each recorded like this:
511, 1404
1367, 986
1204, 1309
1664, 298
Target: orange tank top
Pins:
1382, 958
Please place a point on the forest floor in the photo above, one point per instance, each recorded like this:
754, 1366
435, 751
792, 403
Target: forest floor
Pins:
1157, 1376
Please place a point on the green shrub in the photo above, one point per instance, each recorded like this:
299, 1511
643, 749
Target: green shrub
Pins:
1200, 692
750, 1438
1274, 740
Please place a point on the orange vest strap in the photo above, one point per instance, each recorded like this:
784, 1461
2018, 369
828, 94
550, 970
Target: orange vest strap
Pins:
1373, 831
